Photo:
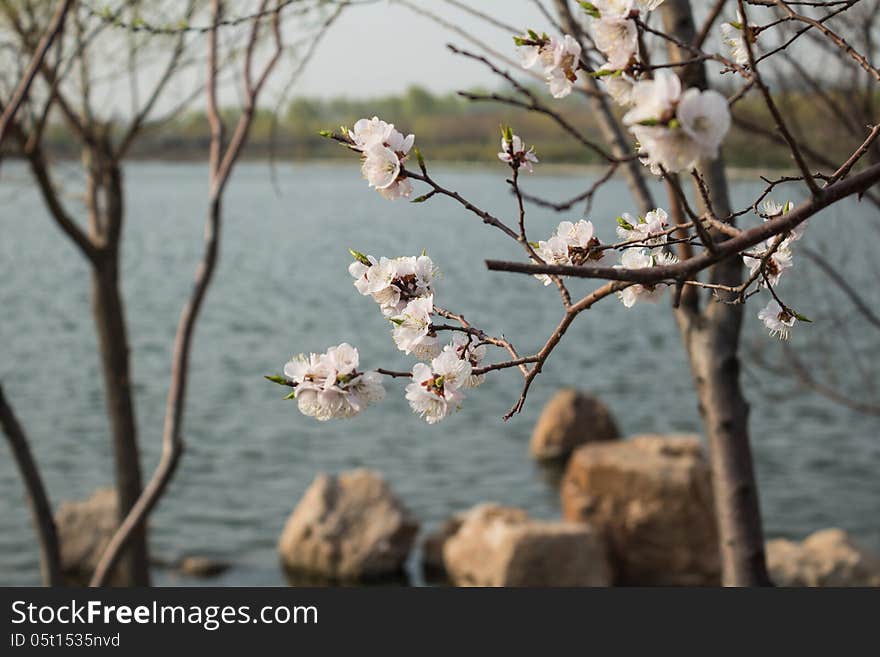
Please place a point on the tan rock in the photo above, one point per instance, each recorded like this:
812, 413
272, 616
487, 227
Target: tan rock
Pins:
501, 546
85, 527
651, 497
349, 526
828, 557
202, 567
571, 418
432, 545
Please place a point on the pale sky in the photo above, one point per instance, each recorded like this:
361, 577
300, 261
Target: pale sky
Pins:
384, 47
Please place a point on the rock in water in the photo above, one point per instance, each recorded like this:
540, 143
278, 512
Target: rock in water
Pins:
85, 527
348, 527
828, 557
651, 496
502, 546
202, 567
571, 419
433, 544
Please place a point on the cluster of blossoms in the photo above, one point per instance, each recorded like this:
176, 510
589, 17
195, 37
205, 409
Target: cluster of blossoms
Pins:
616, 36
571, 244
329, 385
404, 289
648, 239
384, 150
775, 262
676, 129
559, 59
437, 389
393, 282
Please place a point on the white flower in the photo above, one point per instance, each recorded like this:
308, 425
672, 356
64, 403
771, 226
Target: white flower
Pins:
400, 188
435, 391
467, 348
393, 282
553, 251
776, 264
367, 133
648, 5
640, 258
778, 320
732, 37
384, 149
676, 130
412, 331
381, 166
613, 8
646, 230
705, 117
560, 59
328, 385
774, 210
617, 38
619, 86
566, 61
572, 244
370, 132
521, 157
654, 99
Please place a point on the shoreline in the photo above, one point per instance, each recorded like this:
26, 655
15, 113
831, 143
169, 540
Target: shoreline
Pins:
737, 173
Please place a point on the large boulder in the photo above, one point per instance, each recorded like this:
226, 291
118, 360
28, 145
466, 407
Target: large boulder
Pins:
433, 544
570, 419
85, 527
828, 557
651, 496
348, 527
502, 546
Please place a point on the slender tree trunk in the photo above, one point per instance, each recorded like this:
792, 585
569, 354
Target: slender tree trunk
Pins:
105, 200
109, 318
38, 500
712, 337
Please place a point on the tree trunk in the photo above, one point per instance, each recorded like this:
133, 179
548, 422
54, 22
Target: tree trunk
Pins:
711, 337
38, 499
109, 313
113, 344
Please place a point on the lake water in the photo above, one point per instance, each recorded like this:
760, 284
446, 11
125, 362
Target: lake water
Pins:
282, 287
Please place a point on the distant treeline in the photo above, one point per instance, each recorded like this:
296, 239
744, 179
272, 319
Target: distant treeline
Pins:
451, 128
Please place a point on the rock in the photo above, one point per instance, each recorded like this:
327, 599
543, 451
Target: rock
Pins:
203, 567
348, 527
651, 496
502, 546
432, 546
570, 419
828, 557
85, 527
